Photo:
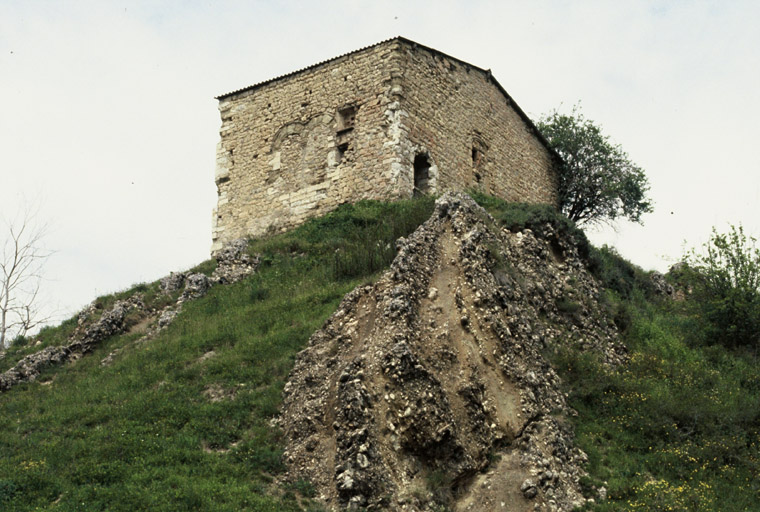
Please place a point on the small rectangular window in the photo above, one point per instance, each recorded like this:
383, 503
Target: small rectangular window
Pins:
347, 118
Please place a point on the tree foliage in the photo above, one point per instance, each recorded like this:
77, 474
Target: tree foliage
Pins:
725, 282
598, 181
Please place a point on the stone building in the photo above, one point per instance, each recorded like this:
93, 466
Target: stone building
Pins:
383, 122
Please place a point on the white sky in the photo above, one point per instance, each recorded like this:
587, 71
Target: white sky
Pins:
108, 119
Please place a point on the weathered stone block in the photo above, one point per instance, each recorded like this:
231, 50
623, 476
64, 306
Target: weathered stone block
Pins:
384, 122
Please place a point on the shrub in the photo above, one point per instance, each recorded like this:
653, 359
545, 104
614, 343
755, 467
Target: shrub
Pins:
725, 283
519, 216
617, 274
20, 341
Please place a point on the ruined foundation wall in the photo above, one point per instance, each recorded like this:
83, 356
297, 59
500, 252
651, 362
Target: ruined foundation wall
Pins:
299, 146
473, 135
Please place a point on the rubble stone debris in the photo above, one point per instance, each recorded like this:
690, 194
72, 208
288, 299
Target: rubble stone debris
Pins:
233, 264
430, 385
82, 341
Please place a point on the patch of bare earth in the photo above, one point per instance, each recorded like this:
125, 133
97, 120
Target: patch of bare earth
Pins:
216, 392
141, 327
429, 387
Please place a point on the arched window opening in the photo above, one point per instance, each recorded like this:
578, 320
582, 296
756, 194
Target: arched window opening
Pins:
421, 175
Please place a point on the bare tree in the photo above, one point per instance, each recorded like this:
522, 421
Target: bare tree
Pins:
21, 262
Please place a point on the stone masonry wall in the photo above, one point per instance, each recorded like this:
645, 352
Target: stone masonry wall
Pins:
299, 146
473, 135
350, 128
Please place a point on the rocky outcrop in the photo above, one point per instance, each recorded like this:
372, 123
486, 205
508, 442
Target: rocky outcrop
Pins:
430, 386
233, 264
660, 284
84, 339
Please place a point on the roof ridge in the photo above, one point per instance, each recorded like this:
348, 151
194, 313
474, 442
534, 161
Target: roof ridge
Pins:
415, 44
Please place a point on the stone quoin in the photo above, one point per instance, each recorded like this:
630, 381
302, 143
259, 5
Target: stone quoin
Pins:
389, 121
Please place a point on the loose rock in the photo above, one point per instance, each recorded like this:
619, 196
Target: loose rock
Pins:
422, 375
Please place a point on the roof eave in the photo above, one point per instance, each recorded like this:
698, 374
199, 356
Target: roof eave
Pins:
532, 127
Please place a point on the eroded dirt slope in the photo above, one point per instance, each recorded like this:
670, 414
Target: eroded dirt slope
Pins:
429, 387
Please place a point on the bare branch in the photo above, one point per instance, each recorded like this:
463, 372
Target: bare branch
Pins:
21, 261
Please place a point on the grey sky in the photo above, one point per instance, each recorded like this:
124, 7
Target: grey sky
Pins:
108, 118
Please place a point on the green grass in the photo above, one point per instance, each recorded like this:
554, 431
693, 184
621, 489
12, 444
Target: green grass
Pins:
141, 434
675, 429
518, 216
48, 336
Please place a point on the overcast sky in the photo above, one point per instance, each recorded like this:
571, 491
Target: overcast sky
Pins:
108, 120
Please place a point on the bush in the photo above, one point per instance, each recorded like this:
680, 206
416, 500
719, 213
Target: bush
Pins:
519, 216
20, 341
725, 283
618, 274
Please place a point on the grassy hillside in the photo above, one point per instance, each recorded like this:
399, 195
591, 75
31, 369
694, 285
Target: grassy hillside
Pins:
182, 422
676, 428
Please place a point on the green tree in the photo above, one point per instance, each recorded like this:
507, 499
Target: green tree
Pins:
725, 282
597, 180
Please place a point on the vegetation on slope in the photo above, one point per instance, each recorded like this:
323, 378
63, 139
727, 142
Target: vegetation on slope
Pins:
675, 429
143, 433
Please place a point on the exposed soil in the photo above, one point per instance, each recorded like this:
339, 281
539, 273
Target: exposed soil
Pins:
429, 388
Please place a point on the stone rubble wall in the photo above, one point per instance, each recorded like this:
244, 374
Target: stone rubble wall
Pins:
279, 161
439, 368
233, 264
84, 340
348, 129
473, 134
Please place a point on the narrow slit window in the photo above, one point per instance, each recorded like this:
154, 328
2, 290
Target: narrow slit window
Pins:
479, 160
